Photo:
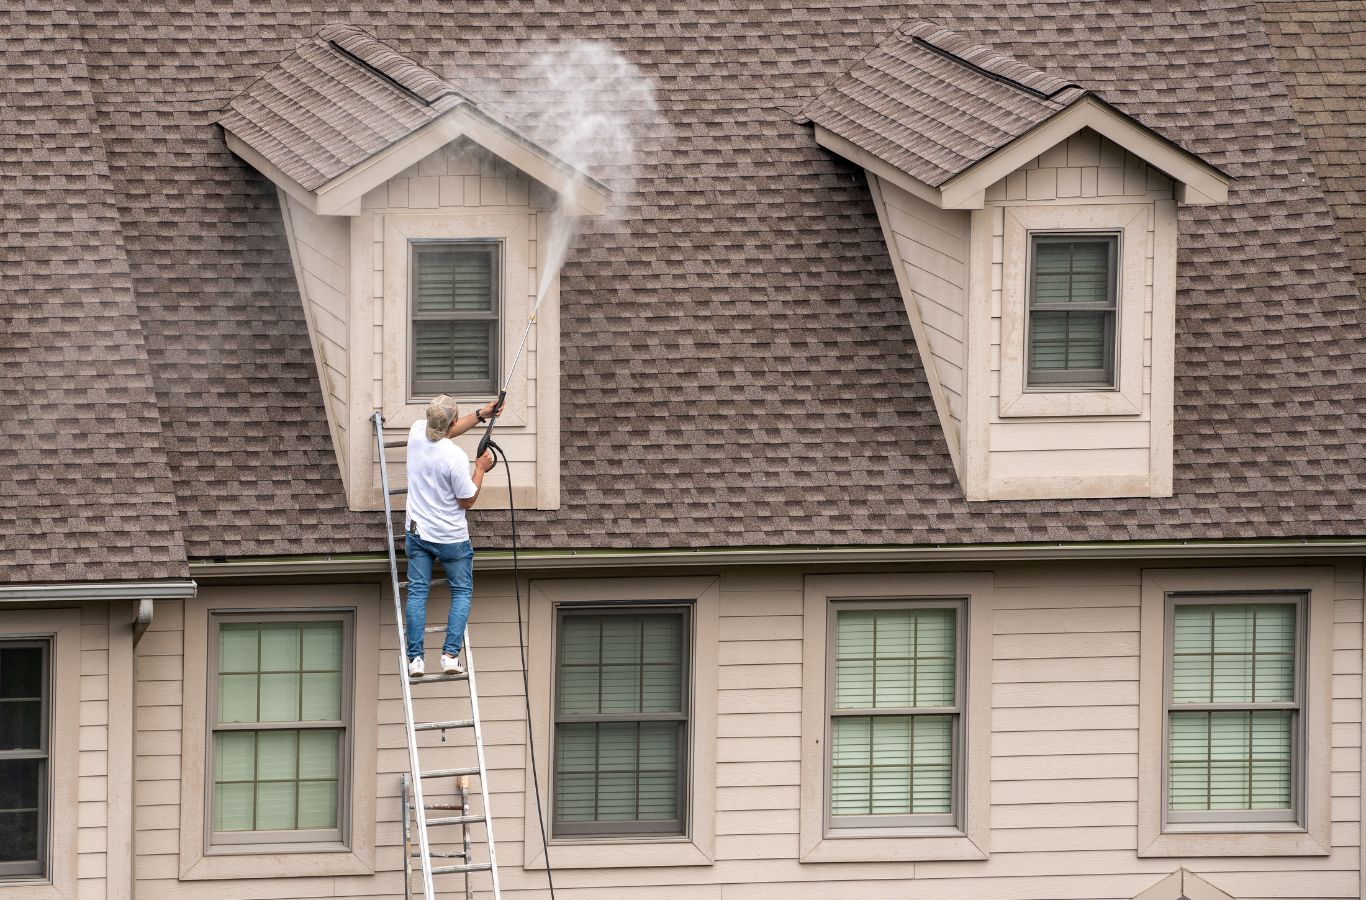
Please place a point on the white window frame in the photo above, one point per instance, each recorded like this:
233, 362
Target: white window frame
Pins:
968, 835
696, 846
1310, 833
422, 393
1065, 379
1124, 397
355, 853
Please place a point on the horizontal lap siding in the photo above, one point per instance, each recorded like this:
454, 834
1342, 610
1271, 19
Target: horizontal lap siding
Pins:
1063, 775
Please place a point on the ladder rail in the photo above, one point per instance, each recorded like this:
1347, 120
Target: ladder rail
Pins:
483, 767
424, 845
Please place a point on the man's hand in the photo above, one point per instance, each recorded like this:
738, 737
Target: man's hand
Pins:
484, 463
490, 410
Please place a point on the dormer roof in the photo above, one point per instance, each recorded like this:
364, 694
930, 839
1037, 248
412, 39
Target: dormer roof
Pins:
945, 117
344, 112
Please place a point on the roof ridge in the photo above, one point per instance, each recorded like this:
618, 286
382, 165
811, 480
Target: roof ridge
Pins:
987, 61
384, 61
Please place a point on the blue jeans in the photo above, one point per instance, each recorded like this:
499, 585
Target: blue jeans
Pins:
458, 561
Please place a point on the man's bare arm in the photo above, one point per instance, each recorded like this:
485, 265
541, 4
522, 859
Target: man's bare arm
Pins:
481, 465
469, 420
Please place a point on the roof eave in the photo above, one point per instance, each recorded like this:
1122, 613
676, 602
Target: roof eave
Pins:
1198, 183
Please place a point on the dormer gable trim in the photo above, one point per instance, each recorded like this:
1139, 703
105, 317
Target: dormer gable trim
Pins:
378, 114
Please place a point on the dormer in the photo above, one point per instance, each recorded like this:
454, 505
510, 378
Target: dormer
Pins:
1033, 230
417, 221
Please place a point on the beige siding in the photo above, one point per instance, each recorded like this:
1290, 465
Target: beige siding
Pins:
321, 246
929, 249
463, 183
1063, 774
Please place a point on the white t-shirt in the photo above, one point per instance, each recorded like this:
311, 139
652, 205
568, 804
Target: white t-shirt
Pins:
438, 475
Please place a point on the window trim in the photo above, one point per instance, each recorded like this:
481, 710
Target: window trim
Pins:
679, 826
1105, 378
971, 838
894, 825
420, 391
697, 846
301, 840
197, 861
1311, 835
27, 871
1171, 818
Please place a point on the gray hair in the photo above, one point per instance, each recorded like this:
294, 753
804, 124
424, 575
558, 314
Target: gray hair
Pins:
441, 412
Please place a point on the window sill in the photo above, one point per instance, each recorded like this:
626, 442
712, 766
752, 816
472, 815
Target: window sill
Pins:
913, 845
218, 866
1261, 840
619, 853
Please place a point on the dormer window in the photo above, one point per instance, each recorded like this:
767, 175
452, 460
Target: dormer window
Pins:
455, 312
1072, 306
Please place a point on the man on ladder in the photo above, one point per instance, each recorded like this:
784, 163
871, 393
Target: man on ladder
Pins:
440, 489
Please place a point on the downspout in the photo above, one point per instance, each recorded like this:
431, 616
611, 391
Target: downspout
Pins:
143, 621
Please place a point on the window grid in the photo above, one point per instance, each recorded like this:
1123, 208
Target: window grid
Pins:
620, 795
1084, 328
328, 738
466, 335
1243, 782
24, 757
942, 721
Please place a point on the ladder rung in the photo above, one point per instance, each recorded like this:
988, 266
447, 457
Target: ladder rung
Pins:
403, 585
451, 870
454, 820
442, 726
432, 679
391, 445
444, 773
442, 854
393, 491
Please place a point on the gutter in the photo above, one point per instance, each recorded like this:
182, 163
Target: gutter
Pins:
115, 590
532, 560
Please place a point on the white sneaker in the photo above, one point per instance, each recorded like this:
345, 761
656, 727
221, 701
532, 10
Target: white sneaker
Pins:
450, 665
416, 668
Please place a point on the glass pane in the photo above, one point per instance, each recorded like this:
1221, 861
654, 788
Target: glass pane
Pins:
454, 279
21, 673
234, 756
1067, 340
322, 697
21, 724
277, 755
18, 836
237, 647
237, 698
892, 765
452, 350
21, 783
620, 664
617, 771
317, 804
276, 805
1072, 271
280, 697
234, 807
895, 658
1233, 653
318, 753
322, 646
280, 647
1230, 760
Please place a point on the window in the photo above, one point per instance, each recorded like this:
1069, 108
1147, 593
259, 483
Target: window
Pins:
455, 310
621, 721
894, 719
1234, 735
24, 726
1072, 306
279, 717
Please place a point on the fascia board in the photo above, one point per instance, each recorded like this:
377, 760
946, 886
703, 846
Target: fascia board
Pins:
1210, 186
114, 590
271, 171
879, 167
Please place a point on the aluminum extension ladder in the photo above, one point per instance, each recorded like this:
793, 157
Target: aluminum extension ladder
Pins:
415, 808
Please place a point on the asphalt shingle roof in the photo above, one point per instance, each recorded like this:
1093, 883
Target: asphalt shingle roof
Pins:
736, 368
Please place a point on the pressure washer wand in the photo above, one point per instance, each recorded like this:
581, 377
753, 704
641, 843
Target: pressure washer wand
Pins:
487, 439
